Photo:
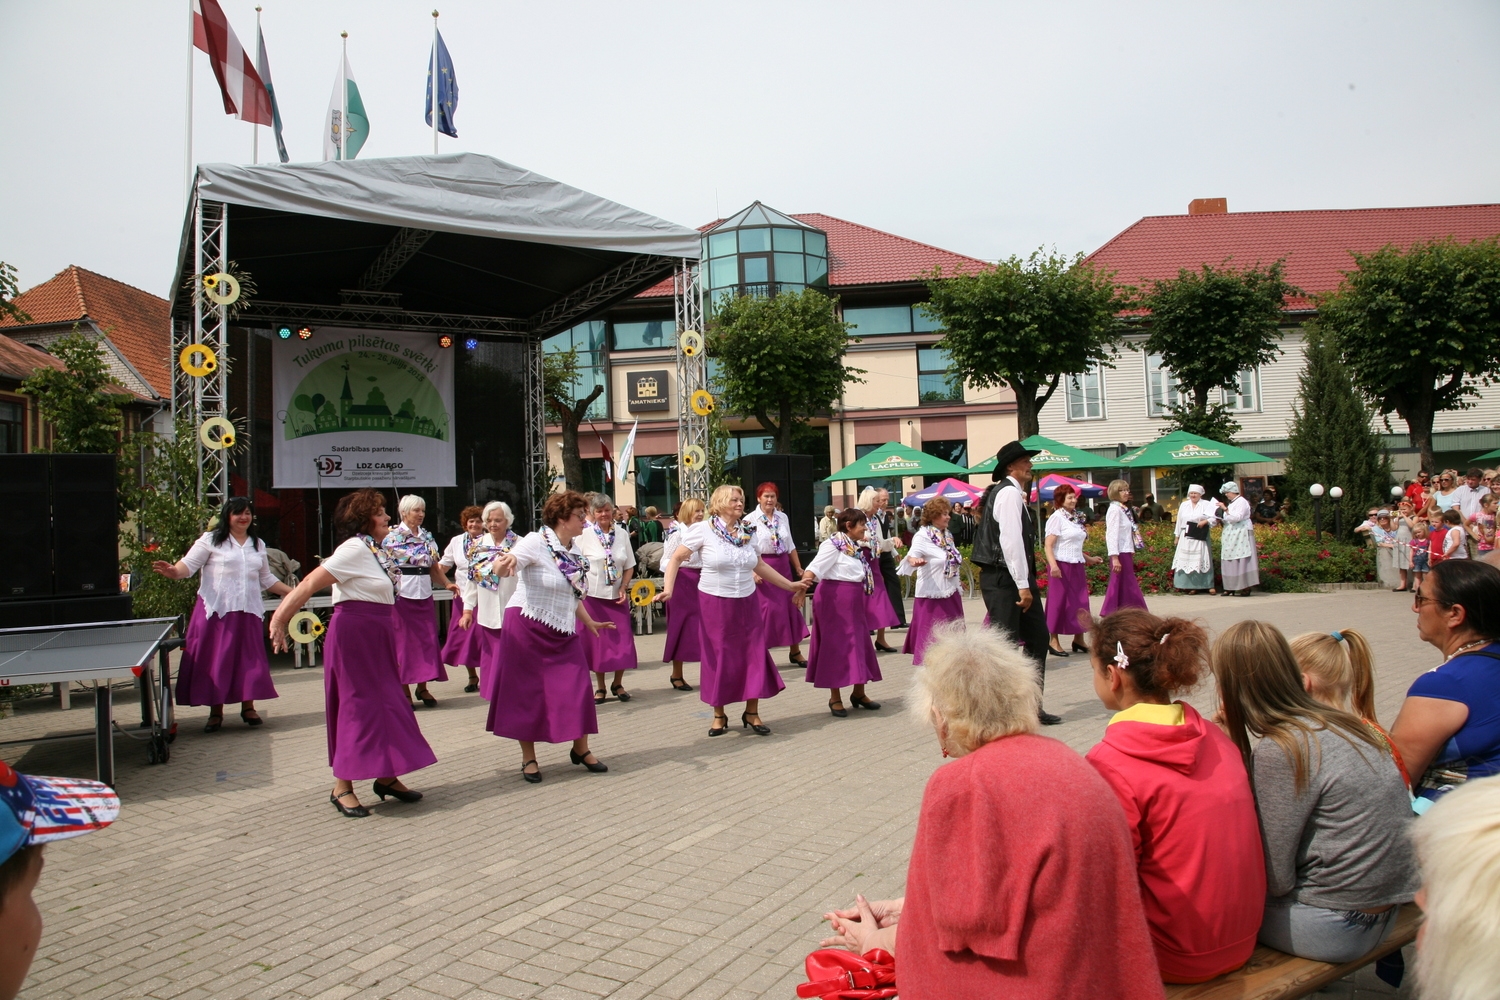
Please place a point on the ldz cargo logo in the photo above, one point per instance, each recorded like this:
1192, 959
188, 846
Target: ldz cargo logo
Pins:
329, 466
379, 466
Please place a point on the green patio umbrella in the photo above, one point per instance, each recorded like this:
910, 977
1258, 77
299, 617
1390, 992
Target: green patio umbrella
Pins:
1487, 456
1182, 448
1054, 456
894, 460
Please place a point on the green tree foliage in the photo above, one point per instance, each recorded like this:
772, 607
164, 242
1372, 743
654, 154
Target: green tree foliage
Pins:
9, 289
781, 359
168, 519
1332, 441
1215, 423
1420, 330
1026, 324
564, 405
80, 401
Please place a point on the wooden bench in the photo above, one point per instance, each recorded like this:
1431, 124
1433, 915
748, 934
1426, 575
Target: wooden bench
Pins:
1275, 975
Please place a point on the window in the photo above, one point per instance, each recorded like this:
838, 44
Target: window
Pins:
588, 339
655, 482
873, 320
1162, 391
12, 428
1086, 394
760, 251
921, 322
655, 333
935, 383
954, 451
1245, 396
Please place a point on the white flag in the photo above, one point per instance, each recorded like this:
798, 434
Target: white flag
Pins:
337, 133
629, 449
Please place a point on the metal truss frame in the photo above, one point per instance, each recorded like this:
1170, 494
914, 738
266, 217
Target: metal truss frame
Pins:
692, 375
208, 323
608, 286
535, 431
402, 248
359, 310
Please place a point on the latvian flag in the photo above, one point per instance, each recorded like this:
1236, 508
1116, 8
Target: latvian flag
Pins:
245, 95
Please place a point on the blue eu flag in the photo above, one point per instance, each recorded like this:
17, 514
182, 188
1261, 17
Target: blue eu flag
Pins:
447, 89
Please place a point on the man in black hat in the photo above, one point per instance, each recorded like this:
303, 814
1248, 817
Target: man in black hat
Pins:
1005, 552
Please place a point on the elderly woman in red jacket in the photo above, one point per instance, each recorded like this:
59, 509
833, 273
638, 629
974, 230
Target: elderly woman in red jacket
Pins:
1022, 879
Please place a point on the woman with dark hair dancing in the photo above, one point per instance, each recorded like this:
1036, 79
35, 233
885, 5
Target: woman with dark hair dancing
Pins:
465, 644
841, 650
372, 732
785, 625
224, 659
415, 553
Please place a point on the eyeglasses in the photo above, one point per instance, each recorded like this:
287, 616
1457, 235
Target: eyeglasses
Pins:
1421, 599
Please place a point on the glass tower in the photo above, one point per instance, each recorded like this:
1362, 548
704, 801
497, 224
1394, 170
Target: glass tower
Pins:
760, 251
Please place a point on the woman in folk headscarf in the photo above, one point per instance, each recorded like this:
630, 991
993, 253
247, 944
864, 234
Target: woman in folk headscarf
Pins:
1193, 564
1238, 561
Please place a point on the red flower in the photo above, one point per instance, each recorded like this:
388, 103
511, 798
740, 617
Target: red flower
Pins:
1325, 554
152, 547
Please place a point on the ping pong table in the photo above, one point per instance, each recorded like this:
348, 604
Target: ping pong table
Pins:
97, 651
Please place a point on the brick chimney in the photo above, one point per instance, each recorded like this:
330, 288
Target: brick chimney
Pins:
1208, 206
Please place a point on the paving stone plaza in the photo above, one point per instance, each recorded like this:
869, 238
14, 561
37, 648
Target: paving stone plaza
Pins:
695, 868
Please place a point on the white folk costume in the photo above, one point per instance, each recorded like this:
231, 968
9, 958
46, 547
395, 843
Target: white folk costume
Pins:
610, 560
1238, 561
1192, 564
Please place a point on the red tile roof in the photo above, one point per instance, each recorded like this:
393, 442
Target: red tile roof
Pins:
136, 322
18, 360
1316, 244
859, 255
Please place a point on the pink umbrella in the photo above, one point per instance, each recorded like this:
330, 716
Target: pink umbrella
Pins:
1053, 480
951, 489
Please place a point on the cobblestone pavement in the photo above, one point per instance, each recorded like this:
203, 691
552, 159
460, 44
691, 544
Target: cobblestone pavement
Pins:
695, 868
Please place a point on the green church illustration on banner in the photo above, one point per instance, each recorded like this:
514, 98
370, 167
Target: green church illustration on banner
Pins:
321, 405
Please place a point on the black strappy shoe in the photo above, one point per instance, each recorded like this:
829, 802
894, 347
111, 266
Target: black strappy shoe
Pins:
760, 729
400, 794
533, 777
355, 812
719, 730
618, 690
597, 766
600, 697
680, 684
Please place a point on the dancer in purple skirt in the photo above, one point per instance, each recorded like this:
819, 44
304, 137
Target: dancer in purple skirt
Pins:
936, 561
490, 592
611, 561
1067, 572
882, 611
1121, 540
224, 658
682, 614
465, 645
841, 650
415, 553
541, 684
737, 664
372, 732
785, 625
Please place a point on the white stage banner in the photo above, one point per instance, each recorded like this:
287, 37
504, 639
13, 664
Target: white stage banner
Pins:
362, 408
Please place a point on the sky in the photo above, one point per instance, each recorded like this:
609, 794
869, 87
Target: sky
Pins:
986, 128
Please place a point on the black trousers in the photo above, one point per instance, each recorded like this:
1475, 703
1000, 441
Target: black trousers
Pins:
892, 585
1028, 627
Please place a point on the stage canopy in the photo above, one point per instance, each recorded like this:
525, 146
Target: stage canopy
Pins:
459, 241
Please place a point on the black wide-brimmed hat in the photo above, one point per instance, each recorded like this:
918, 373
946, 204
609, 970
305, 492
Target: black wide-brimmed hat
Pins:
1009, 454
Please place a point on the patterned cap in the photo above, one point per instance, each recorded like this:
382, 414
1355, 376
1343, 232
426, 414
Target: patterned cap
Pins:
38, 810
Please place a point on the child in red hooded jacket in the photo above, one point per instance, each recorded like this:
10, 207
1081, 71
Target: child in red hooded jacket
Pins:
1186, 795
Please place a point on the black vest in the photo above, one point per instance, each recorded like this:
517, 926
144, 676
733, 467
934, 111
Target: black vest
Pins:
986, 551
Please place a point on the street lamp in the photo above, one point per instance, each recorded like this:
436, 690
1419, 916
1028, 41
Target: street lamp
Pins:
1316, 489
1337, 493
1397, 493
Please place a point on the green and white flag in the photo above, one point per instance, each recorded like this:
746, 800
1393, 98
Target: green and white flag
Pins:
343, 139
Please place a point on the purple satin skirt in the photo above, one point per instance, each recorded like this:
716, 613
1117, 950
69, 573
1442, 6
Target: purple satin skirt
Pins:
489, 661
1068, 598
736, 663
372, 731
1123, 590
542, 692
613, 648
682, 619
224, 659
417, 657
926, 614
841, 653
882, 612
785, 625
465, 646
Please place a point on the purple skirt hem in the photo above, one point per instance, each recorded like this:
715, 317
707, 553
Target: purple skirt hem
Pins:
1068, 600
785, 625
372, 731
417, 657
682, 619
736, 664
1123, 590
926, 614
224, 659
465, 646
613, 648
841, 653
542, 689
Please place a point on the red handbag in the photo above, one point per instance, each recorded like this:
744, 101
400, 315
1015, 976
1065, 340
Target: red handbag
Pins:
835, 974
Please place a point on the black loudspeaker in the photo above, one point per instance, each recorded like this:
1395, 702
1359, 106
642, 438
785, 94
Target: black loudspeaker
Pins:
792, 475
26, 570
65, 611
85, 526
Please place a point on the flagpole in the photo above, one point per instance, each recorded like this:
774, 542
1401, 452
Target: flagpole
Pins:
434, 78
187, 152
254, 128
344, 98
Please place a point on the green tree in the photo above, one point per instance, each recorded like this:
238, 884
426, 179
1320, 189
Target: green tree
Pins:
1026, 324
1419, 330
169, 518
781, 358
80, 400
560, 385
9, 289
1332, 441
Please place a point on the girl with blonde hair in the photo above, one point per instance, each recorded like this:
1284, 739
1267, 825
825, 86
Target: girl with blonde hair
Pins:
1338, 669
1458, 944
682, 614
1121, 539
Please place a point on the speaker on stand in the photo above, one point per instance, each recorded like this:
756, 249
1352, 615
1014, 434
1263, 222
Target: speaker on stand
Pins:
792, 475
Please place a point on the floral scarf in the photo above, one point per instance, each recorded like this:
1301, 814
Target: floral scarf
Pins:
383, 557
574, 569
738, 537
417, 548
944, 540
846, 546
770, 521
482, 555
606, 542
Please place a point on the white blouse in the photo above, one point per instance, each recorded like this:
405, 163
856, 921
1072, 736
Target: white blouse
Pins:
358, 574
488, 605
831, 564
1119, 531
669, 545
233, 574
543, 593
1190, 513
931, 578
453, 559
593, 550
769, 529
728, 570
1070, 537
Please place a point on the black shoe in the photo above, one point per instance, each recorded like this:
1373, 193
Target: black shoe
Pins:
250, 720
900, 626
720, 730
618, 690
864, 703
1054, 651
882, 647
1048, 719
213, 724
837, 710
597, 766
428, 700
797, 661
600, 697
760, 730
534, 777
678, 684
403, 795
471, 688
1078, 647
353, 813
